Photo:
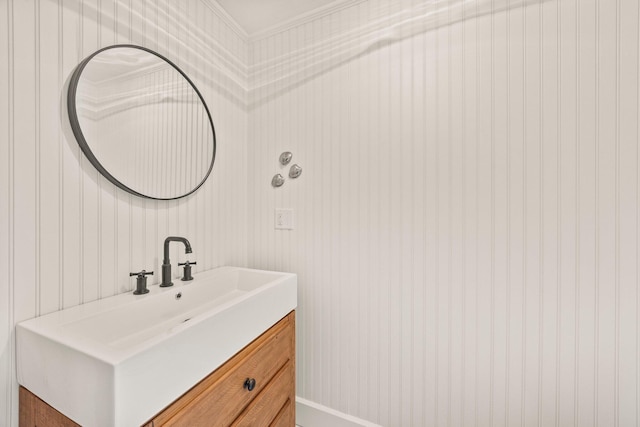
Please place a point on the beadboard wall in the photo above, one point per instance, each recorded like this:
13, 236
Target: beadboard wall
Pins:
467, 217
68, 236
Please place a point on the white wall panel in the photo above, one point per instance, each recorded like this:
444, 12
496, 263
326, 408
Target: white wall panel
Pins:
467, 233
7, 366
68, 235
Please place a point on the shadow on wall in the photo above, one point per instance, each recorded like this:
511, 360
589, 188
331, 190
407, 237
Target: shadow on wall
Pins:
323, 56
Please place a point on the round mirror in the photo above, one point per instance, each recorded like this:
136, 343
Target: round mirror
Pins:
141, 122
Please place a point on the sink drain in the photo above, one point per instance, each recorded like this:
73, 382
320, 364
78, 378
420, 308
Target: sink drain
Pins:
179, 295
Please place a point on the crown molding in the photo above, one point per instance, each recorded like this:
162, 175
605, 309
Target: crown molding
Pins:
303, 18
228, 19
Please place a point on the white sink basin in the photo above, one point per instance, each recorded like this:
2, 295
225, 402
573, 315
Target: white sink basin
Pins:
121, 360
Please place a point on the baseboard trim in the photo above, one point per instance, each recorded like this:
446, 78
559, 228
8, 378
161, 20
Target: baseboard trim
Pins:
311, 414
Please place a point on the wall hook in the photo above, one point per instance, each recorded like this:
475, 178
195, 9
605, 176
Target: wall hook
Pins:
285, 158
295, 171
277, 180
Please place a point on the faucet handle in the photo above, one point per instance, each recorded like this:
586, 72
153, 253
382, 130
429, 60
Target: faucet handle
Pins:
141, 281
187, 270
142, 273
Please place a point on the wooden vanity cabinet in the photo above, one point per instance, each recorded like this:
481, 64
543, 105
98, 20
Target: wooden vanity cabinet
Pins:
34, 412
256, 387
266, 366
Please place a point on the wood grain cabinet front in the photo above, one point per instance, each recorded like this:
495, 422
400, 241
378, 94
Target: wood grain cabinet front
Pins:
266, 407
251, 389
256, 387
36, 413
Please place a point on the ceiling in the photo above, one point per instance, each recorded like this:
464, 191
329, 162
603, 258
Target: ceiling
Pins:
255, 16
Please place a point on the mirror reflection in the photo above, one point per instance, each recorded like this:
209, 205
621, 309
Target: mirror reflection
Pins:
141, 122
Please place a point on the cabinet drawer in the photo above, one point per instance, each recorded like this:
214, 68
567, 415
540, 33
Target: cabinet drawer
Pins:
220, 398
267, 405
286, 416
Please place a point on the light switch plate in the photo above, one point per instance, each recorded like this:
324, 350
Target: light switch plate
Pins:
284, 219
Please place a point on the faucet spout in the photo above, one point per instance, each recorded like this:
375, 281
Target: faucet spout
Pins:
166, 263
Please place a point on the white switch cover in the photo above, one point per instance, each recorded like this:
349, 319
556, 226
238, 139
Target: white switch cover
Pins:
284, 219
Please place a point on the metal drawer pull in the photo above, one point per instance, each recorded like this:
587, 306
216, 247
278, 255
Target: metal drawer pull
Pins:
250, 383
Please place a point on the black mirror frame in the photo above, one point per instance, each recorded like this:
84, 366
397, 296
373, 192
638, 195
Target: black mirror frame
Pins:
84, 146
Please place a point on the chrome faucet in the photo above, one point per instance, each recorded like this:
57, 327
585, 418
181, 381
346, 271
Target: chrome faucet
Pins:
166, 264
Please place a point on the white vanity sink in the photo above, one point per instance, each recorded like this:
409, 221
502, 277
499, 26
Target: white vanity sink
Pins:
121, 360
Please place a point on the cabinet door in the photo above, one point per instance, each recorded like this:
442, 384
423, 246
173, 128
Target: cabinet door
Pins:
221, 397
